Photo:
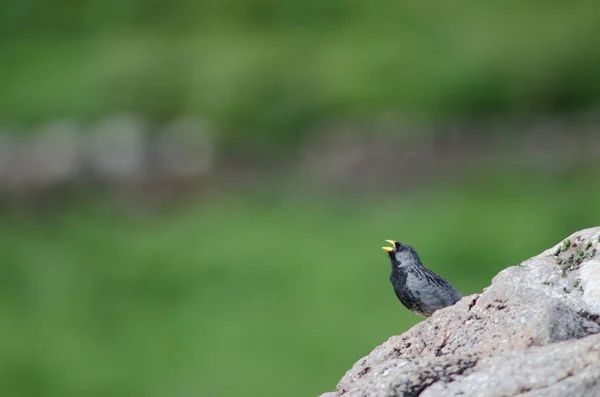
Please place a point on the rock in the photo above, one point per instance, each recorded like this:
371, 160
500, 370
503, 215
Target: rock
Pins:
533, 332
560, 369
116, 149
184, 150
349, 156
45, 159
7, 157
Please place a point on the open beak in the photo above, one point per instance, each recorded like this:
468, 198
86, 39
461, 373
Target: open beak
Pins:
390, 249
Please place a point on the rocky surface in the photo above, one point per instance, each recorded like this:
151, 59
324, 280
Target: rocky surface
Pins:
534, 332
118, 153
128, 153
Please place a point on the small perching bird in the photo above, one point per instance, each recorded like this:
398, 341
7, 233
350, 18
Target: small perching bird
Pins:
418, 288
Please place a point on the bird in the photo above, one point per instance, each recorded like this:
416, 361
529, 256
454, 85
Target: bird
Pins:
419, 289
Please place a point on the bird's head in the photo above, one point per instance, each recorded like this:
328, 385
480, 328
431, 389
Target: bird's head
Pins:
401, 253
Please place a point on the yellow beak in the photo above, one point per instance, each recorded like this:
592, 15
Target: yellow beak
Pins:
390, 249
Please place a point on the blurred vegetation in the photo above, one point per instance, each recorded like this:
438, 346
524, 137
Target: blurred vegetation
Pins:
270, 292
260, 294
269, 71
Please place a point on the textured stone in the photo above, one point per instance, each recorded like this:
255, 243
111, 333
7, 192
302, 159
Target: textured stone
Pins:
532, 332
553, 370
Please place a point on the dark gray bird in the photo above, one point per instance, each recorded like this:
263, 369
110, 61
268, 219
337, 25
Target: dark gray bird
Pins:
418, 288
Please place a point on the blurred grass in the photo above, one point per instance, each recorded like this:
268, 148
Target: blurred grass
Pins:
264, 293
253, 294
269, 71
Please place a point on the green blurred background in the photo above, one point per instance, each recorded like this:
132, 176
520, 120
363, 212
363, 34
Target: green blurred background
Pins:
470, 131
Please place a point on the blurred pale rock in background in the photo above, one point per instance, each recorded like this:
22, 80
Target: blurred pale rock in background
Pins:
123, 152
116, 149
400, 156
7, 155
184, 149
46, 158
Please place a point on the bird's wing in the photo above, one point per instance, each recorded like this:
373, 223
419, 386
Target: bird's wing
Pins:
436, 292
